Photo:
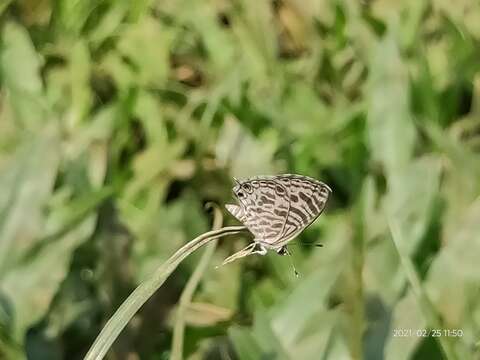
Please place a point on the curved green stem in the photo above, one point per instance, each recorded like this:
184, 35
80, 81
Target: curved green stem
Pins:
146, 289
189, 290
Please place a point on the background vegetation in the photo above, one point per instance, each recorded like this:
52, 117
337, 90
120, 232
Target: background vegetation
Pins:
119, 120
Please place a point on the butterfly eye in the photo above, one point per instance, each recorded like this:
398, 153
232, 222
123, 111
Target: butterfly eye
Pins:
248, 188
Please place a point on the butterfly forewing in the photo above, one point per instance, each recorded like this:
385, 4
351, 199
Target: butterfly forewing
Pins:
266, 208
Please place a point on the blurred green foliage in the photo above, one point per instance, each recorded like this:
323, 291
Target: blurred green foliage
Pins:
119, 120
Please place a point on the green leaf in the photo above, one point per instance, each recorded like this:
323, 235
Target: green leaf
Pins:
303, 112
236, 147
109, 24
391, 133
80, 82
30, 286
268, 339
122, 74
219, 289
72, 14
411, 192
317, 335
26, 183
465, 13
4, 5
256, 46
146, 44
245, 344
219, 43
33, 262
461, 185
455, 271
382, 275
20, 71
407, 316
289, 320
170, 227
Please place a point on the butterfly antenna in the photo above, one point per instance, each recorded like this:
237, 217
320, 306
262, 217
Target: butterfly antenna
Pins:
306, 243
291, 263
236, 180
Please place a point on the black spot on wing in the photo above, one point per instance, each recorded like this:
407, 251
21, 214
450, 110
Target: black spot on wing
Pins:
267, 200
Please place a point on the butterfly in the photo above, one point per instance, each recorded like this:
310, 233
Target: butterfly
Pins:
276, 209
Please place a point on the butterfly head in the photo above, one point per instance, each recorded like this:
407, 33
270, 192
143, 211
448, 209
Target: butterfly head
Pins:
244, 191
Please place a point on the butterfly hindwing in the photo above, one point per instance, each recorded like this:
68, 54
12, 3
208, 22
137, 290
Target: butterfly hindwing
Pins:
236, 211
307, 199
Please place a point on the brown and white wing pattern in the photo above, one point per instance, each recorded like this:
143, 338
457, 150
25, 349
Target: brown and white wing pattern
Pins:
277, 208
266, 209
307, 198
236, 211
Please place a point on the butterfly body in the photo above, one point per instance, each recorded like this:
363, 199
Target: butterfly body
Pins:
276, 209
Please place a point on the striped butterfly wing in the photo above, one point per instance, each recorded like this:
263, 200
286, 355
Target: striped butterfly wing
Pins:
307, 198
277, 208
266, 208
263, 209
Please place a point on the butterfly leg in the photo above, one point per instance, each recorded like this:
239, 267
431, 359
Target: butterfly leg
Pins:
282, 251
261, 251
248, 250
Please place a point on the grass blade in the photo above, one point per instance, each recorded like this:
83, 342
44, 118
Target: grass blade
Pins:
428, 309
189, 290
145, 290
